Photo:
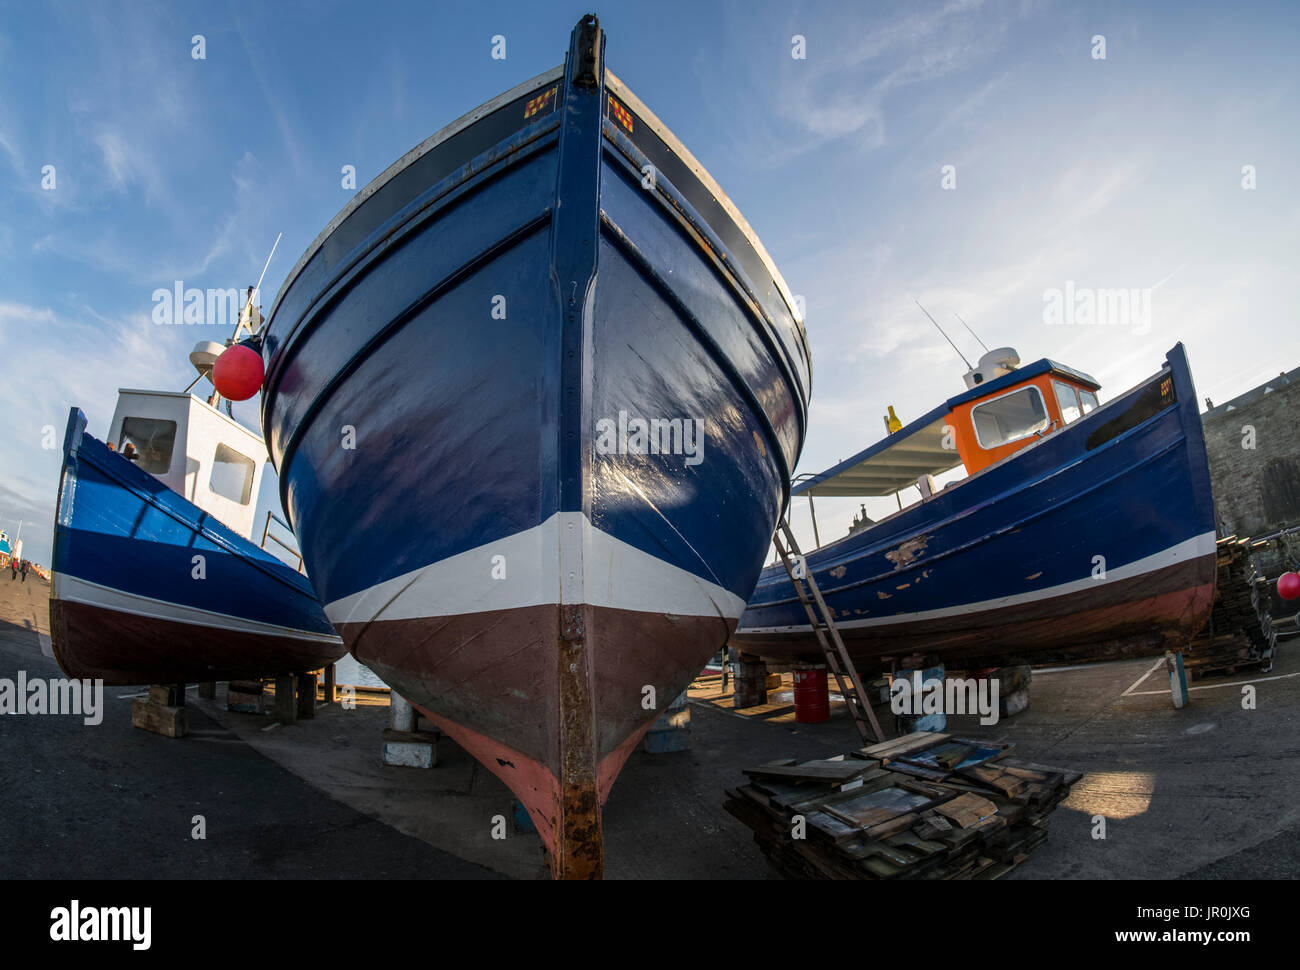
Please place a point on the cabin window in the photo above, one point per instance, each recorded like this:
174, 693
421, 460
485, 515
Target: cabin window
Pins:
1068, 399
1009, 417
232, 475
152, 439
1089, 401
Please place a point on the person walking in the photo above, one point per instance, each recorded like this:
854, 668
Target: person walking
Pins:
13, 565
26, 566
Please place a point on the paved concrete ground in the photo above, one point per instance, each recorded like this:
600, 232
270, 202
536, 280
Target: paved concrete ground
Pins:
1206, 792
110, 801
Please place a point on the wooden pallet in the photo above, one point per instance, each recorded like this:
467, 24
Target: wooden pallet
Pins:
975, 814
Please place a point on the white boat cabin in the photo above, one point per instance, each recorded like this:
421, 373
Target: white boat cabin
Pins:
193, 448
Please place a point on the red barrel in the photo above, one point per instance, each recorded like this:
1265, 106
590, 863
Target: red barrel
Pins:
812, 699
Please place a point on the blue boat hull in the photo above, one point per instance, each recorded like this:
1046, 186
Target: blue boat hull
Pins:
453, 403
147, 588
1099, 540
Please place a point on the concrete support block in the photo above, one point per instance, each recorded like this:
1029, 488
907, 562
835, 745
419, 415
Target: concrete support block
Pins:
410, 749
1013, 689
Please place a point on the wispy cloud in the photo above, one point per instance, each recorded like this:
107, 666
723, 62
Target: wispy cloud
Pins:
44, 376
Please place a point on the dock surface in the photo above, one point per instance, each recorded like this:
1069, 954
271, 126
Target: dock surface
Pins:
113, 802
1206, 792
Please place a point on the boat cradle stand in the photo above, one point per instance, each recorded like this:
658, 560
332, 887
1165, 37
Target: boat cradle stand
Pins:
295, 694
404, 745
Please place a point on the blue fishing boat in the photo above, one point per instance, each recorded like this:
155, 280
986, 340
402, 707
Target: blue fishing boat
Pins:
534, 396
1079, 530
149, 586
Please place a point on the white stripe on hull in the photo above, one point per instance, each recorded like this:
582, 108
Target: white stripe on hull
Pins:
70, 589
614, 574
1195, 548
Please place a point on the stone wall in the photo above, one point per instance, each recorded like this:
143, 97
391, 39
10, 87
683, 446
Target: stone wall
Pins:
1254, 455
1254, 452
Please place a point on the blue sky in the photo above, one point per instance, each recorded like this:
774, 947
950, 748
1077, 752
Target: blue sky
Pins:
1117, 173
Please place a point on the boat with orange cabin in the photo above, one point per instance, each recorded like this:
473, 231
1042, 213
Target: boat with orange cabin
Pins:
1079, 530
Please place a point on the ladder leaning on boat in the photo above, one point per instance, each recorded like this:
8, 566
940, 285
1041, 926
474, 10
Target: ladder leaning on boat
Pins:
819, 615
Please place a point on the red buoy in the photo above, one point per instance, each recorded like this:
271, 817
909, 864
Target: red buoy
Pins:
1288, 586
237, 374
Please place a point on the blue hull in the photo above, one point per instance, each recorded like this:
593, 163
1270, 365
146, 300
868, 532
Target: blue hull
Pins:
148, 588
1099, 539
455, 375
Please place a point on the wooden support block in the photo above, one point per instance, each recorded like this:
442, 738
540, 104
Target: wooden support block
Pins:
208, 690
307, 694
286, 701
331, 685
246, 697
165, 719
167, 695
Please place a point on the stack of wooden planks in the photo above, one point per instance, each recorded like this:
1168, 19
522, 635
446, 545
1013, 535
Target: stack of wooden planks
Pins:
922, 806
1236, 635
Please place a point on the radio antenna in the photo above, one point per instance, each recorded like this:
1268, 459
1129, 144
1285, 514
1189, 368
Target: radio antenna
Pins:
246, 317
945, 336
971, 332
258, 288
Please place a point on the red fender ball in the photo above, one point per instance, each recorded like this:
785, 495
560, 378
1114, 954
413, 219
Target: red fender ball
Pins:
1288, 586
237, 374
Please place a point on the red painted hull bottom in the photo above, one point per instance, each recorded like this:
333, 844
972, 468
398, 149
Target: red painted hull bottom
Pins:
95, 643
1123, 618
552, 715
